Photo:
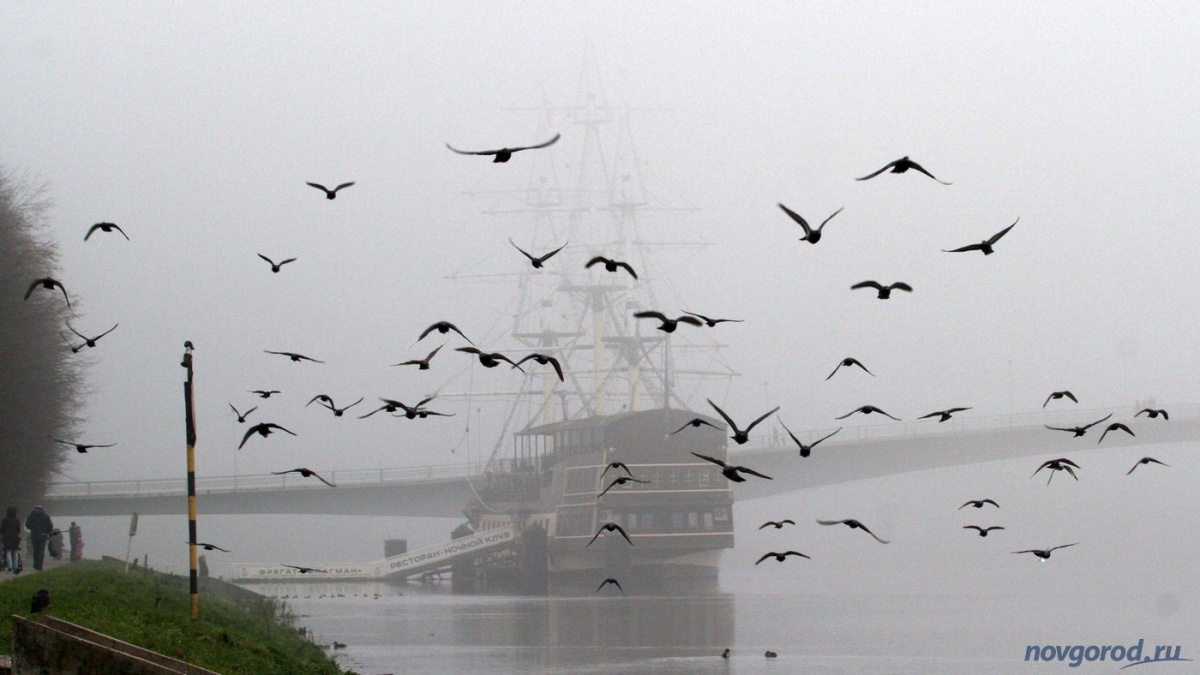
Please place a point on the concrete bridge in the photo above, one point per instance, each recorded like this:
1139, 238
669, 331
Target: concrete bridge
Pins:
856, 453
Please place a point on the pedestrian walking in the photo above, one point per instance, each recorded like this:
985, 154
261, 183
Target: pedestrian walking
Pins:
10, 540
40, 526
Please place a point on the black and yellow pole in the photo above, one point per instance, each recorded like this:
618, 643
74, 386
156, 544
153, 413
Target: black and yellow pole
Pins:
190, 425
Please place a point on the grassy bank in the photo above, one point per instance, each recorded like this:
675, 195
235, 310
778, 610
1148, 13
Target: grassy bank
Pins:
252, 635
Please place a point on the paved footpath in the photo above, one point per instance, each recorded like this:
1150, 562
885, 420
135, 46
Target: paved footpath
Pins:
48, 563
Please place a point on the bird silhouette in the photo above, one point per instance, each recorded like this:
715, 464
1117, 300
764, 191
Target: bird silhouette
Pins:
885, 292
537, 261
725, 654
986, 245
307, 473
543, 359
1044, 553
616, 466
942, 414
806, 450
770, 654
82, 447
391, 406
263, 429
275, 266
489, 359
868, 410
621, 480
780, 557
1114, 427
211, 547
264, 393
611, 265
852, 524
49, 284
978, 503
810, 235
900, 166
330, 194
847, 362
328, 403
983, 531
694, 422
304, 570
421, 364
1144, 460
105, 227
296, 358
731, 472
740, 436
443, 327
777, 524
1054, 396
1153, 413
241, 417
89, 341
1060, 464
1081, 430
609, 527
505, 154
710, 322
612, 581
668, 325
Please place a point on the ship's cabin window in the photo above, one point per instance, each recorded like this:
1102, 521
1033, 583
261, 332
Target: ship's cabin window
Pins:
605, 515
693, 520
632, 519
647, 521
703, 478
721, 513
708, 521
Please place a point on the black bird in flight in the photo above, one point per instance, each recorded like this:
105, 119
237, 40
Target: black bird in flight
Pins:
81, 447
780, 556
777, 524
443, 327
307, 473
710, 322
1054, 396
852, 524
505, 154
616, 466
328, 403
985, 245
330, 194
49, 284
89, 341
900, 166
296, 358
1153, 413
263, 429
105, 227
264, 393
1044, 554
695, 422
978, 503
1060, 464
731, 472
1079, 431
241, 417
304, 570
421, 364
806, 450
542, 359
1144, 460
849, 361
611, 265
885, 292
725, 654
612, 581
1114, 427
943, 414
489, 359
609, 527
210, 547
740, 436
668, 325
810, 235
621, 480
411, 412
275, 266
983, 531
537, 261
867, 410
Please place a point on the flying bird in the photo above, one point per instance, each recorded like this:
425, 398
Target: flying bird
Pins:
780, 556
900, 166
609, 527
1114, 427
621, 480
1060, 464
1144, 460
985, 245
806, 450
611, 265
264, 393
616, 466
443, 327
307, 473
1079, 431
694, 422
391, 406
49, 284
731, 472
1153, 413
852, 524
1044, 554
612, 581
885, 292
263, 429
89, 341
710, 322
296, 358
668, 325
943, 414
777, 524
489, 359
537, 261
810, 235
1054, 396
505, 154
105, 227
304, 570
276, 265
330, 194
847, 362
983, 531
211, 547
867, 410
81, 447
542, 359
978, 503
421, 364
241, 417
328, 403
740, 436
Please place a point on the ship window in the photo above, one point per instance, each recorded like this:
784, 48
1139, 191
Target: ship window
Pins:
708, 521
702, 478
721, 513
693, 520
648, 521
605, 515
633, 520
689, 478
677, 520
656, 478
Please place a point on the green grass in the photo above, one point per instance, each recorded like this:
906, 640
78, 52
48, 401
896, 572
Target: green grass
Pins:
152, 610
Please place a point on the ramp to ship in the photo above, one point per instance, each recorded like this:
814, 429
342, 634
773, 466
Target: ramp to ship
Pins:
396, 567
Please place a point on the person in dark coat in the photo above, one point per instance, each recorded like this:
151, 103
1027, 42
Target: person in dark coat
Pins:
10, 540
75, 535
40, 526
